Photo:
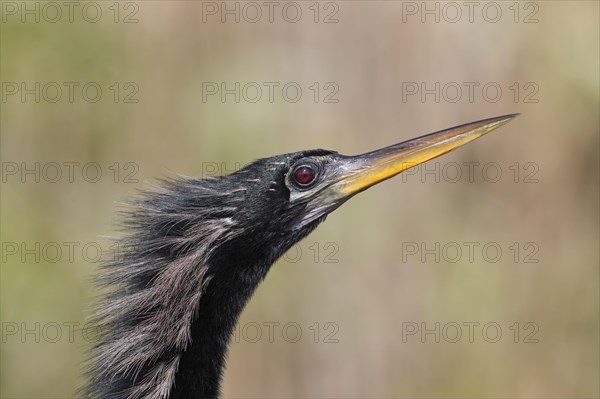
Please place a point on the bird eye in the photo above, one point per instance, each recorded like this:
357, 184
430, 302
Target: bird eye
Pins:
304, 175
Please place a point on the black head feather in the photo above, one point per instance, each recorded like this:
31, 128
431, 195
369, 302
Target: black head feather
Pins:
193, 254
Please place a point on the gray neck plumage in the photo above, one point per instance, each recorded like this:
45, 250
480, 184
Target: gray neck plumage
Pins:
184, 273
159, 317
163, 310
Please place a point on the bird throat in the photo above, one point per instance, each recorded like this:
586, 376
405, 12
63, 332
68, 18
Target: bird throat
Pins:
224, 298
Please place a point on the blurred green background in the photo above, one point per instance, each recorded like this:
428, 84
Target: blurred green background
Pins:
354, 288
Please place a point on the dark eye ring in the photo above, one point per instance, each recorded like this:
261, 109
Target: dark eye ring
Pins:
304, 175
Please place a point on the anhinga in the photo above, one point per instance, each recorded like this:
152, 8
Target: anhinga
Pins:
196, 249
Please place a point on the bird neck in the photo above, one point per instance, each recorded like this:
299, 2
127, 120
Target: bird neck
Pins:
186, 270
201, 365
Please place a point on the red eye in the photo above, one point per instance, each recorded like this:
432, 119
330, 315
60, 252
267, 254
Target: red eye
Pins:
304, 175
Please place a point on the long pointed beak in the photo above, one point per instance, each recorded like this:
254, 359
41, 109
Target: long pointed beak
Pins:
365, 170
349, 175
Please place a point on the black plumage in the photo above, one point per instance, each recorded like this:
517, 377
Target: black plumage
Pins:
196, 249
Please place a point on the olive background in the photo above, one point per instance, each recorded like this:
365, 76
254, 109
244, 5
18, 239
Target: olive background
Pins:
335, 316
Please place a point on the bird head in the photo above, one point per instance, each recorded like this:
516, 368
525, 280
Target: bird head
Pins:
197, 248
289, 195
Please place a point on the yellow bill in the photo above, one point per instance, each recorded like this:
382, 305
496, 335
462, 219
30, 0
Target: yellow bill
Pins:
376, 166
